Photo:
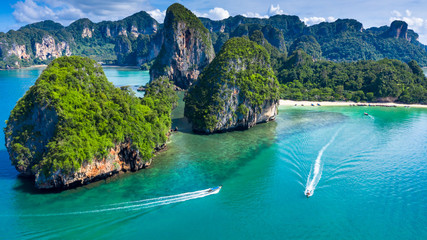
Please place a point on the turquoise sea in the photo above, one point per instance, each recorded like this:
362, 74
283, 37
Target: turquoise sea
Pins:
369, 175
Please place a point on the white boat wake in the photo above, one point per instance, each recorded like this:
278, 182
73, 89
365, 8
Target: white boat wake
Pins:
141, 204
316, 170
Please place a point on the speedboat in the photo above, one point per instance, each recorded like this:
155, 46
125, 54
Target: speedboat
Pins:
215, 189
366, 113
308, 193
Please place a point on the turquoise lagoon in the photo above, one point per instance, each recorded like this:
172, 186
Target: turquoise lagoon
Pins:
372, 180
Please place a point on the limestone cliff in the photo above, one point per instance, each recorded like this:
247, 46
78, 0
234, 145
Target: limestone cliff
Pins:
236, 91
19, 50
186, 50
74, 127
87, 32
121, 157
398, 29
48, 49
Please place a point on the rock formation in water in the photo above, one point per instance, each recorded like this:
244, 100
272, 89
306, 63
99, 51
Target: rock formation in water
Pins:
236, 91
74, 127
186, 50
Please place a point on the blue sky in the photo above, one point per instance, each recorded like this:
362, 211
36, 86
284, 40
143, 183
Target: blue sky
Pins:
14, 13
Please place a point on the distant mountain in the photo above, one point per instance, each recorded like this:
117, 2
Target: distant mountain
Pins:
137, 39
131, 41
342, 40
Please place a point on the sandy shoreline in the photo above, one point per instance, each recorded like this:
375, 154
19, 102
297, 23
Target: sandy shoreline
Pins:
36, 66
329, 104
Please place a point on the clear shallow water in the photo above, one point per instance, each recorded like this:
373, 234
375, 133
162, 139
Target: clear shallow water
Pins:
373, 183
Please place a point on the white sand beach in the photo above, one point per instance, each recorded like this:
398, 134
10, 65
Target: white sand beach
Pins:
309, 103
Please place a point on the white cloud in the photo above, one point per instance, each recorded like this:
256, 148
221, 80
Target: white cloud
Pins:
419, 25
274, 10
66, 11
396, 13
254, 15
331, 19
29, 11
158, 15
315, 20
216, 13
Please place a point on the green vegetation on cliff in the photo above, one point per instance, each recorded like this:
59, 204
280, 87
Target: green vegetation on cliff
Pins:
92, 116
130, 41
367, 80
137, 39
241, 65
342, 40
178, 13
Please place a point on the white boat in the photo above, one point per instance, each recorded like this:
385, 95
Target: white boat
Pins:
215, 189
308, 193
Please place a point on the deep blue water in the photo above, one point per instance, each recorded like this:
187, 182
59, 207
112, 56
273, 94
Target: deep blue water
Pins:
372, 180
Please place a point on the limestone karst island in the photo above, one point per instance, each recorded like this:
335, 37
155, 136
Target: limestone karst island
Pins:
213, 120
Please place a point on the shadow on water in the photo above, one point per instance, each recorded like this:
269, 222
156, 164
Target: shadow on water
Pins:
182, 124
25, 184
7, 171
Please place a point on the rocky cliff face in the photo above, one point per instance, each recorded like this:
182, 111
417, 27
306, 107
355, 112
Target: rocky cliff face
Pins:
48, 49
239, 113
120, 158
398, 29
87, 32
186, 50
154, 48
236, 91
41, 120
18, 50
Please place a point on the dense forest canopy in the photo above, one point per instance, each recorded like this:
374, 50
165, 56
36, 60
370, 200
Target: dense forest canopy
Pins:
92, 116
302, 78
137, 39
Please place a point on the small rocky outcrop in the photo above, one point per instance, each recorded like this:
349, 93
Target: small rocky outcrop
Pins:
87, 32
186, 50
398, 29
236, 91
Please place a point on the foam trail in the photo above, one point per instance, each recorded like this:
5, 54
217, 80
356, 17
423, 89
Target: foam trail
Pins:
316, 170
371, 117
160, 198
137, 205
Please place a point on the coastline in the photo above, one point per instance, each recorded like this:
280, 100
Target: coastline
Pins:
284, 102
37, 66
122, 66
